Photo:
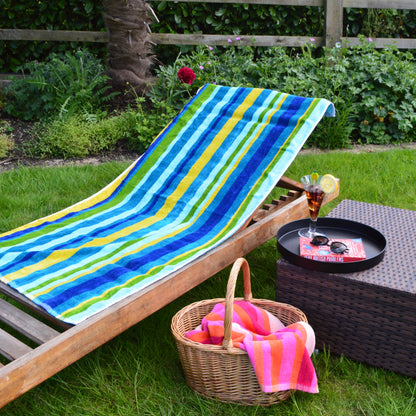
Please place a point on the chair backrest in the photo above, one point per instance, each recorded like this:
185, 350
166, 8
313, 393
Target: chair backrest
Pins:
198, 183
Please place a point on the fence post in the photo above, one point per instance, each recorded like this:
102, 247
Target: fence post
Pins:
333, 22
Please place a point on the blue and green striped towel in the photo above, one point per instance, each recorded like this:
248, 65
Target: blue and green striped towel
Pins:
198, 183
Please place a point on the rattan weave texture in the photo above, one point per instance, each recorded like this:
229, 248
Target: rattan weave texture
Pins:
398, 269
369, 316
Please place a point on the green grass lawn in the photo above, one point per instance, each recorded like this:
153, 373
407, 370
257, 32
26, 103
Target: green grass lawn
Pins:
139, 373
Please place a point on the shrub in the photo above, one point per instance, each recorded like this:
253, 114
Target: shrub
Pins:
6, 143
280, 20
373, 90
46, 15
63, 84
75, 137
64, 138
383, 87
147, 123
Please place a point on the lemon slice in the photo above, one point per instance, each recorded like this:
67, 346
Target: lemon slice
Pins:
328, 183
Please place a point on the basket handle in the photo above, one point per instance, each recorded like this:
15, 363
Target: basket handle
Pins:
229, 300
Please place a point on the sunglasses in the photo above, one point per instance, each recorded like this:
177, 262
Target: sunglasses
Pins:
335, 246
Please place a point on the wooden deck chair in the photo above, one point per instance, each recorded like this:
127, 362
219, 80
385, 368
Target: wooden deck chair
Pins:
182, 212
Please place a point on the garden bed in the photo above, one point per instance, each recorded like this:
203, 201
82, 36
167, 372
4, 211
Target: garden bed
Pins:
20, 132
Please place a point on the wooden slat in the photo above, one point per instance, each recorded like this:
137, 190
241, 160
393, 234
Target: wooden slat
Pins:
25, 324
318, 3
245, 40
162, 38
382, 42
275, 205
283, 200
53, 35
288, 183
381, 4
23, 300
333, 22
223, 40
12, 348
334, 12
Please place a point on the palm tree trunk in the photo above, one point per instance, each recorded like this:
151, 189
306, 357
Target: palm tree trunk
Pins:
129, 47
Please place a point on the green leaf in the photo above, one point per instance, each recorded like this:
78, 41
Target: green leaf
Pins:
162, 6
89, 7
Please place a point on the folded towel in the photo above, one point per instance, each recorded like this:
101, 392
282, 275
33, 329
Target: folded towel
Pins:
280, 355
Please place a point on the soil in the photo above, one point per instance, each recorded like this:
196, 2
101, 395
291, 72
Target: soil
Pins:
21, 131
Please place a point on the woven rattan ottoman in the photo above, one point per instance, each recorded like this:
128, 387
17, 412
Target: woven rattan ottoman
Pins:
369, 316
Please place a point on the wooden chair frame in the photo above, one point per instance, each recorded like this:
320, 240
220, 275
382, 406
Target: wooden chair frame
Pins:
56, 350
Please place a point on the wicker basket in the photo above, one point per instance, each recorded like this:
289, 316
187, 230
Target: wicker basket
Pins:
225, 372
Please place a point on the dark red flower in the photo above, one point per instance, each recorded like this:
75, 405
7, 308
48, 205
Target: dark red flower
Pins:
186, 75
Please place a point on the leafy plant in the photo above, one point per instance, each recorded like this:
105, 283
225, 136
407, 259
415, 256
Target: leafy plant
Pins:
46, 15
246, 18
63, 85
75, 137
373, 90
3, 99
6, 143
169, 88
383, 89
379, 22
147, 124
69, 138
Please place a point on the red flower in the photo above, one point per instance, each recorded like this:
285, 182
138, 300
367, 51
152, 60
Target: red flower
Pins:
186, 75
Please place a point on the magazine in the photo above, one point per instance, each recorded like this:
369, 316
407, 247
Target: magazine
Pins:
355, 252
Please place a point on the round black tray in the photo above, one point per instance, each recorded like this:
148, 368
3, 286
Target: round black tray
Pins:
374, 244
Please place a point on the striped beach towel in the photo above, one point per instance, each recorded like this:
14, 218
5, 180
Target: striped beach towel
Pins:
199, 182
280, 355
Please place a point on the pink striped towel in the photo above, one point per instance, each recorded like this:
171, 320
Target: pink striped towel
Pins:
280, 355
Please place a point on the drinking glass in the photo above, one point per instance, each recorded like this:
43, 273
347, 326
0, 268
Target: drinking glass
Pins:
315, 196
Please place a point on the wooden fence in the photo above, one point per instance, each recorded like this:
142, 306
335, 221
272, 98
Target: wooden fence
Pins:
333, 28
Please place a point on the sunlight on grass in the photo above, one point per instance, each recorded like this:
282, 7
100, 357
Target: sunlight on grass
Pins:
28, 194
377, 177
139, 373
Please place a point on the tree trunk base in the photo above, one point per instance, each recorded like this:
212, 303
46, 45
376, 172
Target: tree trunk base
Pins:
129, 46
